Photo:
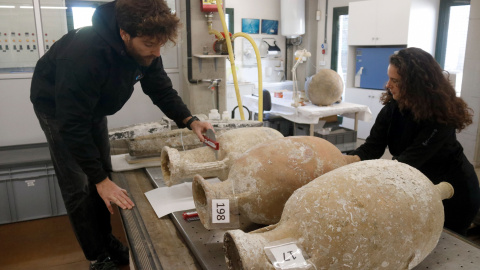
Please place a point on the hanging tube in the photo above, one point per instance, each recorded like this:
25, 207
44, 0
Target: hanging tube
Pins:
259, 67
212, 31
230, 55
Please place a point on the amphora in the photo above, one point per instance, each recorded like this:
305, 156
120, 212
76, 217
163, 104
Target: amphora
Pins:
260, 182
377, 214
177, 165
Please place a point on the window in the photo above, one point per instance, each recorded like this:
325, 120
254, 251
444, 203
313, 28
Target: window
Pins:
229, 15
79, 13
452, 38
339, 42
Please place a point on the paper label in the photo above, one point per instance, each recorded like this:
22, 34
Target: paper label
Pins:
221, 211
30, 183
288, 257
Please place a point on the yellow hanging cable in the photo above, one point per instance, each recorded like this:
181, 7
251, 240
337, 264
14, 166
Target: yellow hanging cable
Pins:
234, 72
259, 67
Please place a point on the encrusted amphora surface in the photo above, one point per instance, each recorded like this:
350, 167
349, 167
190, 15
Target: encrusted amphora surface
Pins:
263, 178
377, 214
178, 165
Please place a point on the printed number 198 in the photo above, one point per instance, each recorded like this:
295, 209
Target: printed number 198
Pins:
221, 211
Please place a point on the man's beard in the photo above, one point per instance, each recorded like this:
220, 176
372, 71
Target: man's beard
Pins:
141, 60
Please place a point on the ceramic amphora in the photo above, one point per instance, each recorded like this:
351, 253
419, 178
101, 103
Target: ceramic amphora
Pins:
377, 214
177, 165
260, 182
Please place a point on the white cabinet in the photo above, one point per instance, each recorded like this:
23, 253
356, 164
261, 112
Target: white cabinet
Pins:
410, 23
362, 23
368, 97
393, 22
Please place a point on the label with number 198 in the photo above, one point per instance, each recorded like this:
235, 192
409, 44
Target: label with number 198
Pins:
221, 211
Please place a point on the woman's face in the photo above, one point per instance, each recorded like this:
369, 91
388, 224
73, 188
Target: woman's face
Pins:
393, 82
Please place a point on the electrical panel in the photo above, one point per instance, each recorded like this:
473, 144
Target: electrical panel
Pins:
19, 41
18, 38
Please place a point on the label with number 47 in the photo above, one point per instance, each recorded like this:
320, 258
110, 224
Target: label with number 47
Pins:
288, 257
220, 211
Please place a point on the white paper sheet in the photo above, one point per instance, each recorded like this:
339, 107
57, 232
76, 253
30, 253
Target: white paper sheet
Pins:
166, 200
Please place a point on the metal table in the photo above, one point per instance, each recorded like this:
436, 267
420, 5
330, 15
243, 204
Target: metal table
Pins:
198, 248
451, 252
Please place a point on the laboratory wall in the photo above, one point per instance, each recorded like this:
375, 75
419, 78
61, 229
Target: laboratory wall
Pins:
245, 58
18, 124
325, 34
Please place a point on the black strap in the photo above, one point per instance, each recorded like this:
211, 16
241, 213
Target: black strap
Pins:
190, 121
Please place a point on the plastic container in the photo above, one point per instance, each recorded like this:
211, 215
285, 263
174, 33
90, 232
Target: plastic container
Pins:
214, 115
28, 185
226, 115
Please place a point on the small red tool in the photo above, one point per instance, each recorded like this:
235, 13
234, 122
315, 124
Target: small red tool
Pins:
190, 216
211, 141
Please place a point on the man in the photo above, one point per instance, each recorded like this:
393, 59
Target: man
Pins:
86, 75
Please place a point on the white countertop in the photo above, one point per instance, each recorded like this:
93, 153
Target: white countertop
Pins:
309, 114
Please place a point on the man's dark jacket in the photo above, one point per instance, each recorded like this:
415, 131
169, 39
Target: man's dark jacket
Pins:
87, 75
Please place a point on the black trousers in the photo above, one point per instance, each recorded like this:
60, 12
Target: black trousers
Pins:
86, 210
461, 209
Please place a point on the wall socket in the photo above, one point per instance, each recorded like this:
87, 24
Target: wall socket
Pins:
321, 63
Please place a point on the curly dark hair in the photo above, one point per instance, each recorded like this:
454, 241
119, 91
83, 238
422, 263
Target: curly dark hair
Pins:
426, 91
151, 18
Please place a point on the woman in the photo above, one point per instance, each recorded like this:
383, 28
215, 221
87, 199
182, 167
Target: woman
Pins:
418, 124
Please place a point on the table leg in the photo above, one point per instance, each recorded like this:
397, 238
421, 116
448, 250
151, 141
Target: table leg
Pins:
312, 126
355, 126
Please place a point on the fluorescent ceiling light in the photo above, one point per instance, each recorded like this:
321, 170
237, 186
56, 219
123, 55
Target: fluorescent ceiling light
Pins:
44, 7
53, 7
7, 6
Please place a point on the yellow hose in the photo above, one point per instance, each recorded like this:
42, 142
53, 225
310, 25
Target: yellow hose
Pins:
232, 63
230, 55
259, 67
212, 31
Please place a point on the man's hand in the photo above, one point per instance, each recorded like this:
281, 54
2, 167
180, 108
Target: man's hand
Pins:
200, 127
111, 193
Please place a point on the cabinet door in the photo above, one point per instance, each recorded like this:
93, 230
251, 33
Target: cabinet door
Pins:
362, 23
392, 22
358, 96
368, 97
